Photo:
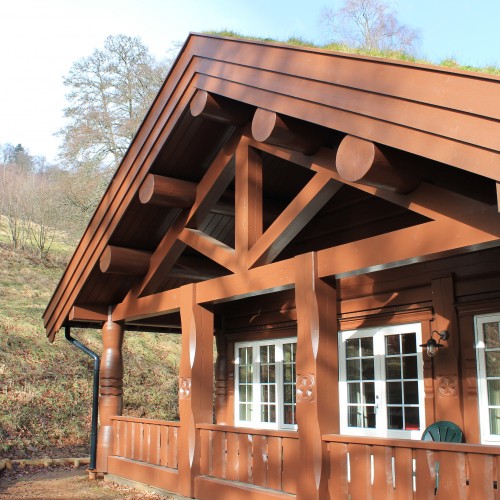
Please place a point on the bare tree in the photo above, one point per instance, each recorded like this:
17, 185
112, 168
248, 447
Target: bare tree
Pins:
368, 24
110, 92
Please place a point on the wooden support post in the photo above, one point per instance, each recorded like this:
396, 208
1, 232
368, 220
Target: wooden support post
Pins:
446, 361
317, 376
248, 209
195, 385
110, 390
359, 160
221, 379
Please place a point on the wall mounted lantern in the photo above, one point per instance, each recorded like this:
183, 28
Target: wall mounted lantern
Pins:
432, 346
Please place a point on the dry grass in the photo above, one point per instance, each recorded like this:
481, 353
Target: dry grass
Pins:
45, 389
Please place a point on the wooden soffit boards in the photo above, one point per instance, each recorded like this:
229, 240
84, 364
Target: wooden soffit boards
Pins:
446, 115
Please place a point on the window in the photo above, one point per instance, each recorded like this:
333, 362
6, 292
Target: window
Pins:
265, 383
488, 368
381, 382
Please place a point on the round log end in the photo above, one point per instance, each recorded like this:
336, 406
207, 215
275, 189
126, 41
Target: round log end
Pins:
355, 157
147, 189
263, 124
198, 103
105, 260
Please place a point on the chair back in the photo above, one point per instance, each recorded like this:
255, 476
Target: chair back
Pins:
443, 431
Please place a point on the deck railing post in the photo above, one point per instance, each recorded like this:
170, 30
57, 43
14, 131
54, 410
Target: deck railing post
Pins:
195, 385
317, 368
110, 389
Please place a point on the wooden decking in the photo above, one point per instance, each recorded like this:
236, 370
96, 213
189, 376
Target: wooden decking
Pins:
243, 462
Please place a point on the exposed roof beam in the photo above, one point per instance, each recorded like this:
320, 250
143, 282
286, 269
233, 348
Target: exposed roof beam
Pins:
119, 260
293, 219
284, 131
167, 192
220, 109
215, 181
210, 247
362, 161
89, 313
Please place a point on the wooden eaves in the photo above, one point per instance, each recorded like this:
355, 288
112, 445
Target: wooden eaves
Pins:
297, 105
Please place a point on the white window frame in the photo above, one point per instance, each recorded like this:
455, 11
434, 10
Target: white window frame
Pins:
379, 335
483, 409
255, 422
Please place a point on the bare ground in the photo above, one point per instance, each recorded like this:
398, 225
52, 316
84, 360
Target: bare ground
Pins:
62, 483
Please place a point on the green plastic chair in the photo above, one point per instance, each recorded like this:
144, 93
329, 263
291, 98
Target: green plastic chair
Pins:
443, 431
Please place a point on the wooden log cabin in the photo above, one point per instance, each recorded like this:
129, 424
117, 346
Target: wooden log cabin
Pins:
320, 221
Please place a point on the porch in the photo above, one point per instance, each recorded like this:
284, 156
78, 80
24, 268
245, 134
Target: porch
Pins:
243, 463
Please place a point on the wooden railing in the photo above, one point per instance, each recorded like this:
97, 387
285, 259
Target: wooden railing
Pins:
150, 441
259, 457
364, 468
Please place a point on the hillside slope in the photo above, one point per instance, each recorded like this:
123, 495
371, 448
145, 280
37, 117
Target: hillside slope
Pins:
46, 389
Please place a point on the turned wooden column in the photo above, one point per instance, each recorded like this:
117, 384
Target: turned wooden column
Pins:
317, 376
195, 385
110, 390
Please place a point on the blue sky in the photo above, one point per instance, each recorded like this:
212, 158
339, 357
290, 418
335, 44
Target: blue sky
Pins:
40, 39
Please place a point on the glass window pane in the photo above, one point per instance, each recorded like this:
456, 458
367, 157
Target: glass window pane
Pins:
394, 417
367, 366
354, 393
272, 414
394, 393
392, 344
264, 393
409, 343
494, 392
287, 373
287, 394
243, 374
370, 417
410, 367
393, 368
264, 373
272, 373
264, 354
411, 393
367, 346
369, 392
243, 393
264, 413
353, 372
354, 416
492, 363
272, 357
289, 415
272, 393
491, 335
352, 348
495, 420
245, 412
412, 419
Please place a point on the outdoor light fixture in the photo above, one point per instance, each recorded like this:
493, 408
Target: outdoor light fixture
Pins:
432, 346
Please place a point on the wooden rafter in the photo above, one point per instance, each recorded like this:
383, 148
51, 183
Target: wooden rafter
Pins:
214, 183
210, 247
293, 219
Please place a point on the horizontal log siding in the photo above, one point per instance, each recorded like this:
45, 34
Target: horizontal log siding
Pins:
264, 458
150, 441
362, 468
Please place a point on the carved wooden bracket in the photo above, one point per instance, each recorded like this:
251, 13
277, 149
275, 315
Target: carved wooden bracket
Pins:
306, 388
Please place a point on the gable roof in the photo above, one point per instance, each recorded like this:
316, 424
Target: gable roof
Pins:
445, 122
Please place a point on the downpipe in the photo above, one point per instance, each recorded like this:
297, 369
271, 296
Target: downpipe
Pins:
95, 395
